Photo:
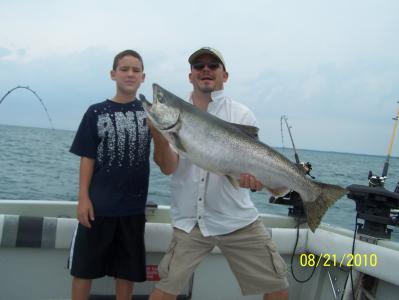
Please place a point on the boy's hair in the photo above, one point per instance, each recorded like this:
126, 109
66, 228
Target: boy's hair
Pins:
124, 53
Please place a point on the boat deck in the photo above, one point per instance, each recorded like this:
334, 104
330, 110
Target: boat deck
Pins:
35, 238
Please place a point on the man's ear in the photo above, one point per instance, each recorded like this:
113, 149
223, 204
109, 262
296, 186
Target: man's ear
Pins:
112, 74
225, 76
189, 77
143, 78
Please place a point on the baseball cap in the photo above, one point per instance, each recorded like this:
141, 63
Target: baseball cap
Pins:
206, 50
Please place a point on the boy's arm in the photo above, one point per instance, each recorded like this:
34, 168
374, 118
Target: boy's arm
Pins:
85, 209
164, 156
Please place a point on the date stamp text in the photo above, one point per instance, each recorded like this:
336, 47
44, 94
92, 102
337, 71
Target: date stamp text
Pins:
332, 260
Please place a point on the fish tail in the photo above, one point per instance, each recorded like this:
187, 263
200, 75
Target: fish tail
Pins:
315, 210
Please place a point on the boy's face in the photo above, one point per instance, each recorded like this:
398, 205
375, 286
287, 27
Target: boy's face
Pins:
128, 75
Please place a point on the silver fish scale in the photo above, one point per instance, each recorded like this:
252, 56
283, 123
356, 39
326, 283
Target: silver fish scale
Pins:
230, 152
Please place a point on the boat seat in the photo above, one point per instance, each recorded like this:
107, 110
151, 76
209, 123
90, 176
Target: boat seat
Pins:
36, 232
57, 233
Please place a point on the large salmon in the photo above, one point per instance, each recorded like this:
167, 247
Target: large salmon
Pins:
230, 149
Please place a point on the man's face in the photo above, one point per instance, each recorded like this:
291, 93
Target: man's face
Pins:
207, 74
128, 74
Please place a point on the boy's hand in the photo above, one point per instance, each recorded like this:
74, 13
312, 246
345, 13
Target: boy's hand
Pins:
85, 212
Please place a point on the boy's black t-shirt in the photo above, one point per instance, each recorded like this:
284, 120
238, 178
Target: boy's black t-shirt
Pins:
117, 137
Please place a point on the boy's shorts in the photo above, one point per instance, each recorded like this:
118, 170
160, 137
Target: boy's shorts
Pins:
250, 252
113, 246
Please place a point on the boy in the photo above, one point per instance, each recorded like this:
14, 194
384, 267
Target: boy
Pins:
113, 142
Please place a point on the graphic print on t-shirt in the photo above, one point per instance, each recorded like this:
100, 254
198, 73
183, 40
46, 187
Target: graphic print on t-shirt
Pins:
125, 136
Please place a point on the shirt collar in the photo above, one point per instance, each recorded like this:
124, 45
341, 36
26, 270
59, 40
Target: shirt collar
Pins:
217, 96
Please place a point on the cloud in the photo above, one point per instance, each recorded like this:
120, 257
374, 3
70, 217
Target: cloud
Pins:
331, 67
4, 52
18, 55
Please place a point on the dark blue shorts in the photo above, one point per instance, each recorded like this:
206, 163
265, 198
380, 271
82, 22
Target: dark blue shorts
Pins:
113, 246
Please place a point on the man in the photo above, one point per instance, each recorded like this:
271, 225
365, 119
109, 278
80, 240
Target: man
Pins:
207, 211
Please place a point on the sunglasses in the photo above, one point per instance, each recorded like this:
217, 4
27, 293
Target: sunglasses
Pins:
211, 65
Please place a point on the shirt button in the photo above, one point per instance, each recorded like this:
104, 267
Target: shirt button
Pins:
199, 217
202, 179
200, 199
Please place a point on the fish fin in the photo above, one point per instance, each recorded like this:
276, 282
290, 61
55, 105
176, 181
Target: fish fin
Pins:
279, 192
234, 182
252, 131
315, 210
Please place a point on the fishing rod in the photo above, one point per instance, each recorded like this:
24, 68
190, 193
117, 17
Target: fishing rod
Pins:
375, 180
292, 198
37, 97
284, 117
306, 166
386, 164
377, 207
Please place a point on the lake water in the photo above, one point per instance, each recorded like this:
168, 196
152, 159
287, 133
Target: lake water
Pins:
36, 164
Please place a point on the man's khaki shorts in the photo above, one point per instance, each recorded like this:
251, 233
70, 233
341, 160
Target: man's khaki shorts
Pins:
250, 252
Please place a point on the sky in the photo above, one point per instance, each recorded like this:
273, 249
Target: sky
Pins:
332, 67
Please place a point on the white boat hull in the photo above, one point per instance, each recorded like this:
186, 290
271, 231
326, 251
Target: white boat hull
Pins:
41, 273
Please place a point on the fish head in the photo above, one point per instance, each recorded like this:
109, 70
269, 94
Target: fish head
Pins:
164, 111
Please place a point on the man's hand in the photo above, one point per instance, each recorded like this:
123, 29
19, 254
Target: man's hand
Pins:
250, 182
85, 212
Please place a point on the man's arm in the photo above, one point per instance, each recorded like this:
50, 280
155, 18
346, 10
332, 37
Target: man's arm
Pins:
164, 156
85, 210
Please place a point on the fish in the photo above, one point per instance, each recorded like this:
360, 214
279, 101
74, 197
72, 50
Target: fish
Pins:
229, 149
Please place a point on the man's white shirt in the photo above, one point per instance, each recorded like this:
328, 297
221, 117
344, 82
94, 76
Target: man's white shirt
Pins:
210, 200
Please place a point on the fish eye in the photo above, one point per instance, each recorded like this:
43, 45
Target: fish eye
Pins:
161, 98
